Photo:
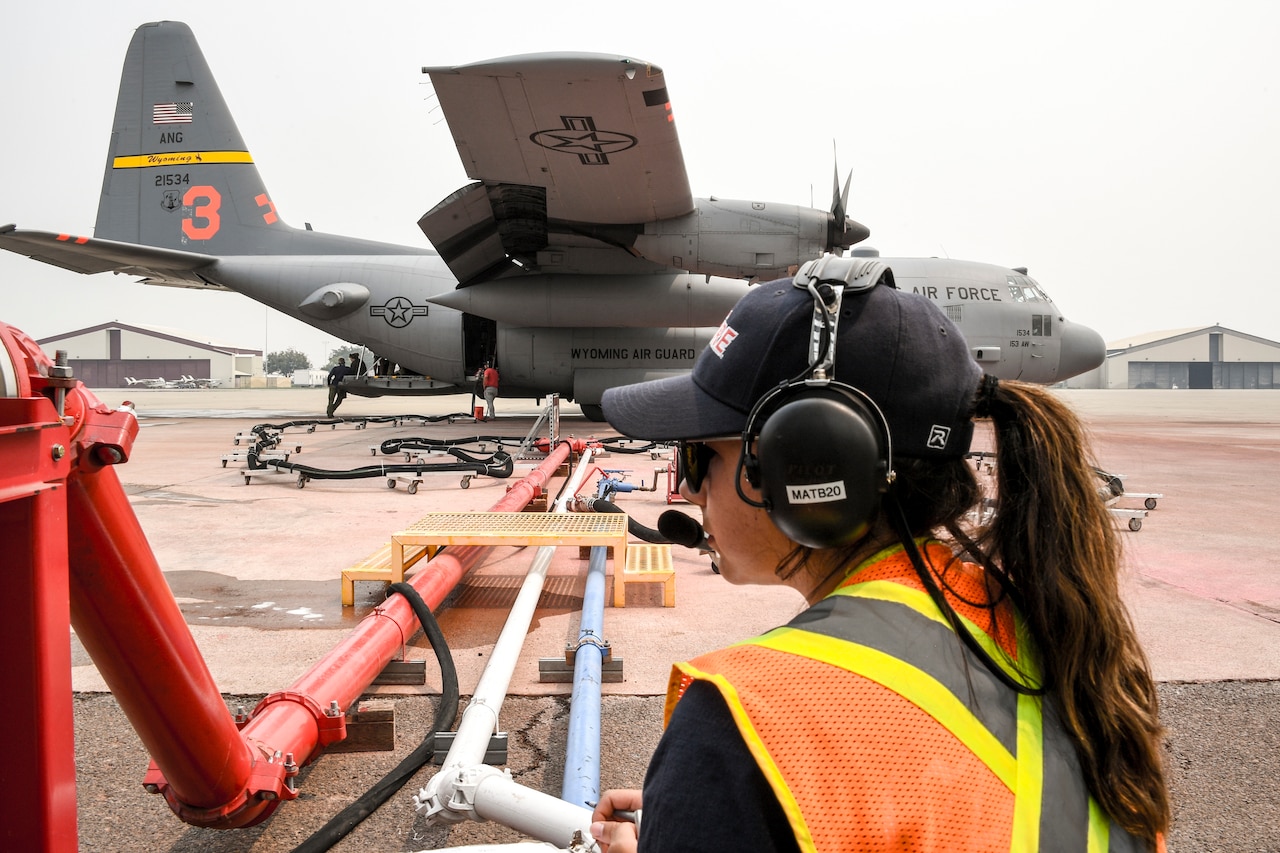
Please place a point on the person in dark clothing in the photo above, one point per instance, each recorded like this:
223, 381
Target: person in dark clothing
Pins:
938, 691
358, 367
334, 380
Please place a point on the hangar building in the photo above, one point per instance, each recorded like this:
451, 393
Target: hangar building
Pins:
1210, 357
103, 356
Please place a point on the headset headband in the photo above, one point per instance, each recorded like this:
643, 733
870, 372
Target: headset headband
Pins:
827, 279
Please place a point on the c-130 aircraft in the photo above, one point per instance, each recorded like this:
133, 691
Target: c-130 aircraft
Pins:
576, 260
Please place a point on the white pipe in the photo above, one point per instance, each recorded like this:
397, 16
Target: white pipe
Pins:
499, 797
513, 847
441, 797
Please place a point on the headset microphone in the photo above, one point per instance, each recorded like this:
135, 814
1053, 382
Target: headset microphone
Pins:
685, 530
682, 530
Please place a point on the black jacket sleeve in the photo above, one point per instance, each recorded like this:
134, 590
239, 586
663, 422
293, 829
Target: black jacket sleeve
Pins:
704, 790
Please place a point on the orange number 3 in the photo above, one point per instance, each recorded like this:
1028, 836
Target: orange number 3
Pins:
208, 211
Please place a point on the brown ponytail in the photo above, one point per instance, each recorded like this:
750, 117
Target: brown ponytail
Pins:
1054, 542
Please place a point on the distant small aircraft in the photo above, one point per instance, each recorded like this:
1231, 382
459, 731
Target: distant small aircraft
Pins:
576, 260
158, 382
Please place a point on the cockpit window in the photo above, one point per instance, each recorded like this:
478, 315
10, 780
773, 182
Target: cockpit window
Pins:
1044, 297
1024, 289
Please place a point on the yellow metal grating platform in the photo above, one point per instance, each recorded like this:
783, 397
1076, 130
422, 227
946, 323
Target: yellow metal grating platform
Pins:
452, 528
513, 528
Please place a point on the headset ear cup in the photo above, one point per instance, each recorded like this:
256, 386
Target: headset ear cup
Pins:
822, 461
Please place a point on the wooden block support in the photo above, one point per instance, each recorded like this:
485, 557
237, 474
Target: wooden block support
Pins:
378, 566
645, 564
370, 728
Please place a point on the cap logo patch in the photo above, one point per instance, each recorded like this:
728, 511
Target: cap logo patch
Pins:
938, 437
724, 336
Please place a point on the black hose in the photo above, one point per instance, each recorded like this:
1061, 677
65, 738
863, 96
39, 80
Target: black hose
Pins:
621, 444
446, 712
635, 528
393, 446
499, 465
360, 419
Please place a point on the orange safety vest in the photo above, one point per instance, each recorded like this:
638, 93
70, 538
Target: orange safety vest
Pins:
878, 730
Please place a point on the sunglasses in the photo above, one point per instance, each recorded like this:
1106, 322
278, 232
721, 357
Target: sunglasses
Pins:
693, 458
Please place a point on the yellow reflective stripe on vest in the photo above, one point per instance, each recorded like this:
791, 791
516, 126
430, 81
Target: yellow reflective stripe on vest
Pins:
1099, 828
911, 683
1029, 795
771, 771
919, 601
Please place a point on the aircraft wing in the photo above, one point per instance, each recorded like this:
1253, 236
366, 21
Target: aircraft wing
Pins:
89, 255
566, 149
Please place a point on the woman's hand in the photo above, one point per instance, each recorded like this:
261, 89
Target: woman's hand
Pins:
614, 832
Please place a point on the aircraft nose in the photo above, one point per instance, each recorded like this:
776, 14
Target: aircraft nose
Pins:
1082, 350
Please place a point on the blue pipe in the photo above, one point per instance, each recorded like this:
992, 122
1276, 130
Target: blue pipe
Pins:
582, 753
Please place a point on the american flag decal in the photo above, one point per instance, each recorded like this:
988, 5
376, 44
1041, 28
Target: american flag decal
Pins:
179, 113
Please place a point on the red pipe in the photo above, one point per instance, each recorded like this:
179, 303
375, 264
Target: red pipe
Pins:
126, 616
298, 722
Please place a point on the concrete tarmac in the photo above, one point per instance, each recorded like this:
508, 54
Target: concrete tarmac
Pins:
255, 567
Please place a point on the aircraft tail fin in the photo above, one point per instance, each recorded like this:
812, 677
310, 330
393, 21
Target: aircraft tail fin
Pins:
178, 174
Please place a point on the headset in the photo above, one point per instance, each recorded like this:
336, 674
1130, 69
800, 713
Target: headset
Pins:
819, 450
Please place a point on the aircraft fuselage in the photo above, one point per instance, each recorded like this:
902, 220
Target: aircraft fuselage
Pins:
555, 334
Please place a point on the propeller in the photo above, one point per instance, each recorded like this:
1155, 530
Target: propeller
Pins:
842, 232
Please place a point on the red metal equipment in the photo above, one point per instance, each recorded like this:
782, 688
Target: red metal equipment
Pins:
57, 446
49, 431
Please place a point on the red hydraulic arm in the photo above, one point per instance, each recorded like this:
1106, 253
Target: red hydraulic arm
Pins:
64, 516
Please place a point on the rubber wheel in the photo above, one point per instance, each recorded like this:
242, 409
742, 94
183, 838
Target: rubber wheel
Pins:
1151, 503
224, 463
466, 482
302, 480
246, 481
1135, 524
391, 484
413, 488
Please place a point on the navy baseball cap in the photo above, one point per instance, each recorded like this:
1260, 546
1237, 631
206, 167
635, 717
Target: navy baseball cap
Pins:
898, 348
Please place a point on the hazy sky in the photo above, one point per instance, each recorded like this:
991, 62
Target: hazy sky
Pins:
1126, 152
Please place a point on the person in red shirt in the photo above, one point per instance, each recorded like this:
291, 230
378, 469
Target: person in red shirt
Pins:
960, 680
489, 377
